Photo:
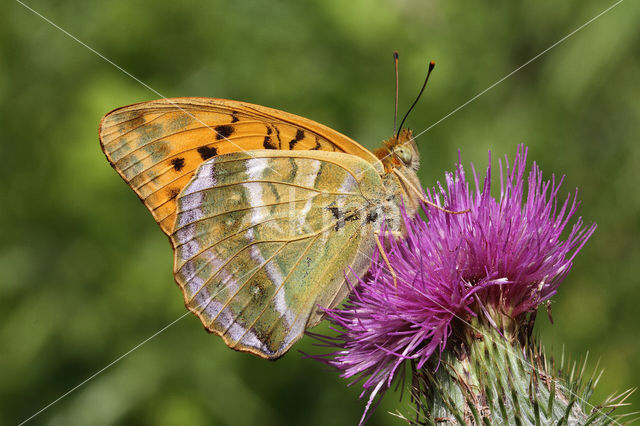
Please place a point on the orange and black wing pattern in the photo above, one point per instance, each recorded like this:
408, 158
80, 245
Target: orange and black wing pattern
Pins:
156, 146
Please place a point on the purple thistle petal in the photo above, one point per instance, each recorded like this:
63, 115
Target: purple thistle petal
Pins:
505, 255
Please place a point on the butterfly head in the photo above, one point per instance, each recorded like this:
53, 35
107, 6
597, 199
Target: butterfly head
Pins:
399, 151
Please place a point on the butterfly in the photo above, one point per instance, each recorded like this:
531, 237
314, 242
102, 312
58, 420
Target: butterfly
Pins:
269, 214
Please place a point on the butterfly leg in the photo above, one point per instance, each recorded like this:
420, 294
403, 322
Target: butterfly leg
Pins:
386, 259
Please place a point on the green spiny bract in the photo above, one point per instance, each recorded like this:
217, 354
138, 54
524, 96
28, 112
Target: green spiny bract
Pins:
497, 374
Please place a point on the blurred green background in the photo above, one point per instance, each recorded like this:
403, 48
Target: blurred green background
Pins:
86, 274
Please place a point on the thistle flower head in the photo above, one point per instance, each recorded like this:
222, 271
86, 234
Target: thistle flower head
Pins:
503, 258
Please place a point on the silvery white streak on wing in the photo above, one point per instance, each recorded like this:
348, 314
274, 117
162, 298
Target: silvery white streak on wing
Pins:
256, 167
236, 331
204, 178
187, 270
279, 297
188, 250
259, 214
254, 251
194, 284
191, 201
307, 174
189, 273
294, 332
225, 321
223, 282
302, 216
281, 306
255, 170
251, 340
201, 300
185, 233
227, 280
212, 310
274, 274
188, 212
254, 197
347, 184
328, 222
276, 278
254, 190
187, 217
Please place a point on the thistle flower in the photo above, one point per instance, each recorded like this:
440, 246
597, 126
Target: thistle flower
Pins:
493, 265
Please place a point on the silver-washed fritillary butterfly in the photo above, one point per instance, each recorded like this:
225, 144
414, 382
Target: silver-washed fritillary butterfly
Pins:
267, 212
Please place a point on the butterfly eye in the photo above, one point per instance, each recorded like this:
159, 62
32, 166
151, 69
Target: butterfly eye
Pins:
403, 154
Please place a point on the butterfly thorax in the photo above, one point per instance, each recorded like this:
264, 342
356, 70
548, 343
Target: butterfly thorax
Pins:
401, 160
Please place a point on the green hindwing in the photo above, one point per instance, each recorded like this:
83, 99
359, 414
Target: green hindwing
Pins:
262, 238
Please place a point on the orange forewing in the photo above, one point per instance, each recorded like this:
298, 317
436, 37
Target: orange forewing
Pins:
156, 146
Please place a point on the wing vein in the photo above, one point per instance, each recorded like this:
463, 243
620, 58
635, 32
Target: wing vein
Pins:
288, 240
241, 287
130, 130
218, 242
233, 211
304, 253
337, 254
275, 182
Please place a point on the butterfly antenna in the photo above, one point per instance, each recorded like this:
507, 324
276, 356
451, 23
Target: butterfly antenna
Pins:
432, 64
395, 113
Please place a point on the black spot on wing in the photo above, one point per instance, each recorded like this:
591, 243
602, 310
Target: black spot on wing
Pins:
352, 216
223, 131
268, 144
173, 193
177, 163
372, 216
335, 211
234, 116
337, 214
207, 152
346, 218
341, 217
317, 146
299, 136
278, 137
